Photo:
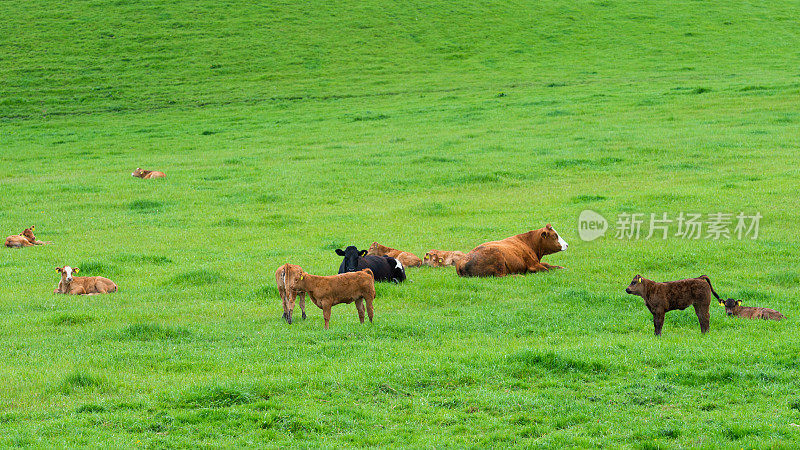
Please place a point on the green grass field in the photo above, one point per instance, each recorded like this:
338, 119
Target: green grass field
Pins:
289, 129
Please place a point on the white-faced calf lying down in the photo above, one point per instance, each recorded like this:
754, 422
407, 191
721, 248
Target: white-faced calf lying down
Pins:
82, 285
24, 239
286, 273
331, 290
735, 308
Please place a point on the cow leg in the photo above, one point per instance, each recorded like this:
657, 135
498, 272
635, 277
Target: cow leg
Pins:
703, 315
658, 321
537, 267
550, 266
360, 308
326, 313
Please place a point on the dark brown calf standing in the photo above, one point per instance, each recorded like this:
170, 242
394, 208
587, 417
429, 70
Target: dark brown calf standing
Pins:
670, 295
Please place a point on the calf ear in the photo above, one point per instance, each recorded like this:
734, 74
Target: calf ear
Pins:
59, 269
362, 253
76, 270
721, 302
544, 234
340, 252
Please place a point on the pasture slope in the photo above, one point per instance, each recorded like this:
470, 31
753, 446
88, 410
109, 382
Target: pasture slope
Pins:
288, 129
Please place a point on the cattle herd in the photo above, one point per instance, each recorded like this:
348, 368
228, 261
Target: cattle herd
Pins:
360, 269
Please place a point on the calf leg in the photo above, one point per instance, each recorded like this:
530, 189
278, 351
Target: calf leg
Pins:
658, 321
302, 297
703, 316
282, 291
370, 310
326, 313
360, 308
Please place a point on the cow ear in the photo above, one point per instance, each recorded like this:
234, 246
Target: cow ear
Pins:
362, 253
544, 234
721, 302
340, 252
549, 227
738, 303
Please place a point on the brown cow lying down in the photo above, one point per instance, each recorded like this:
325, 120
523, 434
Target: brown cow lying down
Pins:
518, 254
442, 258
670, 295
82, 285
288, 292
343, 288
147, 174
735, 308
407, 258
24, 239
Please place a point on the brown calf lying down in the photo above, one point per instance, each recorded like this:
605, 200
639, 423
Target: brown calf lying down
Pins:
407, 258
288, 292
147, 174
442, 258
82, 285
24, 239
735, 308
514, 255
343, 288
663, 297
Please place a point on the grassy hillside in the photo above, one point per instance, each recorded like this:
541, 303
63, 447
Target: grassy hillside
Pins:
290, 129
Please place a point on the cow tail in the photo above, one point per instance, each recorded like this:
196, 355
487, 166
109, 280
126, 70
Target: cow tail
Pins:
461, 266
705, 277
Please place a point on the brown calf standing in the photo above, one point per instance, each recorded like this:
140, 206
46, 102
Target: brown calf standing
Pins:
407, 258
286, 273
680, 294
24, 239
735, 308
147, 174
328, 291
82, 285
442, 258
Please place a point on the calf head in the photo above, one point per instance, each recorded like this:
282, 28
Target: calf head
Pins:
291, 278
28, 234
398, 271
550, 242
374, 249
351, 255
66, 273
433, 259
636, 287
138, 173
730, 305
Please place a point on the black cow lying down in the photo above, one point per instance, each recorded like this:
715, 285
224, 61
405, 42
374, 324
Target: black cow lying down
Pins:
384, 268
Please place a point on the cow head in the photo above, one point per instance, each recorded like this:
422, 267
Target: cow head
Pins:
66, 273
550, 241
730, 305
636, 287
351, 255
139, 173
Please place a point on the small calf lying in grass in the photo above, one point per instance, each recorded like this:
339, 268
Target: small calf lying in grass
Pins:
147, 174
407, 258
442, 258
735, 308
328, 291
663, 297
24, 239
286, 273
82, 285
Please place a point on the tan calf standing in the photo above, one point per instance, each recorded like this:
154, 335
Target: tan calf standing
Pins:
442, 258
328, 291
82, 285
407, 258
286, 273
735, 308
147, 174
